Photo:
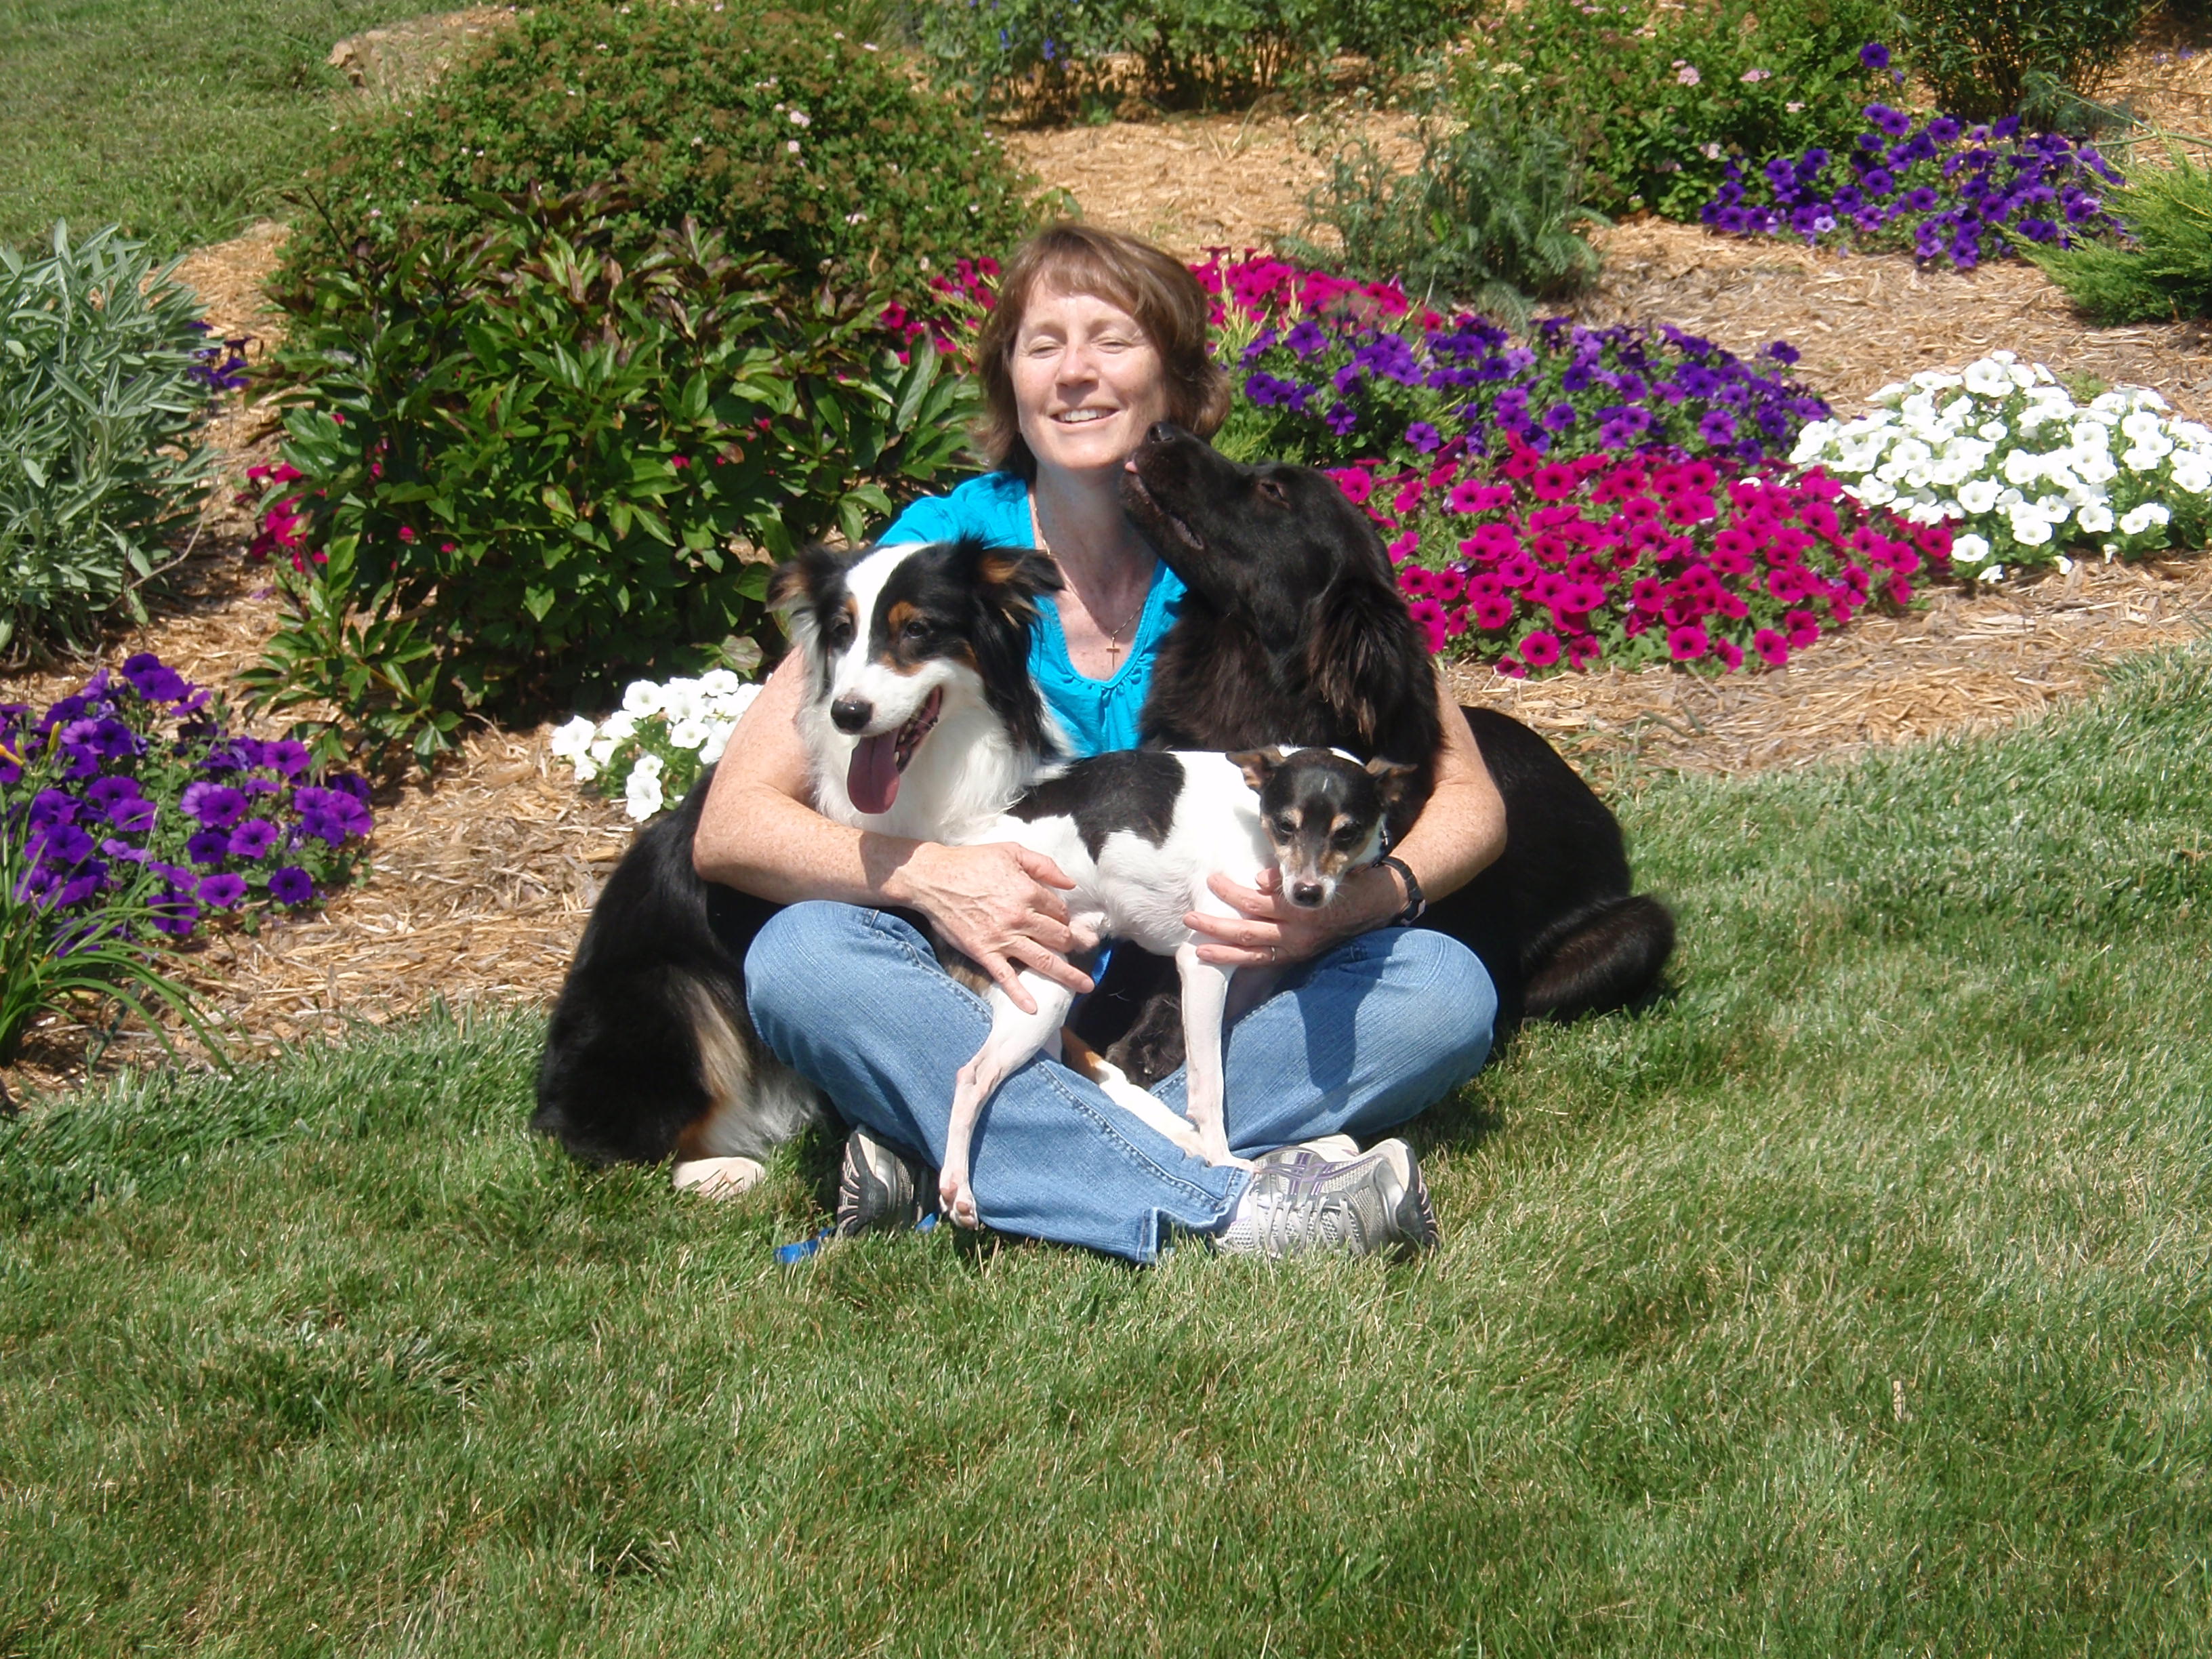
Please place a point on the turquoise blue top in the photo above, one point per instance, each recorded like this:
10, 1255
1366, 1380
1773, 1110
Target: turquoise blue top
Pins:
1099, 714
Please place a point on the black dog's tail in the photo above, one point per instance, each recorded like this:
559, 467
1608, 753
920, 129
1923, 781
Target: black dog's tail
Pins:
1606, 956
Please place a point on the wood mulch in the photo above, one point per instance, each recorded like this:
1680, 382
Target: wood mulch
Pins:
478, 882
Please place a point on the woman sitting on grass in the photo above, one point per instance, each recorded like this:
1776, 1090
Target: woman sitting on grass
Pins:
1097, 337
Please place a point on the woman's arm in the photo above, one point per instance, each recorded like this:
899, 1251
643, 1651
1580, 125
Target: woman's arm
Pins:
759, 834
1460, 831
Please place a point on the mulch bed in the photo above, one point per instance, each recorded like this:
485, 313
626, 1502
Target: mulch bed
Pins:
479, 881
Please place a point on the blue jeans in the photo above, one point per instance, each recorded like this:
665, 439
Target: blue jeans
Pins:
1355, 1042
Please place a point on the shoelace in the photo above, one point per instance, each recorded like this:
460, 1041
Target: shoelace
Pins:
1299, 1211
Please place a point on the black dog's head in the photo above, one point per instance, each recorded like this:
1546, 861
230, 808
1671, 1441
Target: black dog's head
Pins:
1276, 557
1263, 542
892, 634
1324, 812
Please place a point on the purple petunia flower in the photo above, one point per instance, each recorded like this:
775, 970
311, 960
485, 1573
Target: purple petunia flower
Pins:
290, 885
1875, 55
1424, 437
215, 804
223, 891
133, 814
253, 838
210, 846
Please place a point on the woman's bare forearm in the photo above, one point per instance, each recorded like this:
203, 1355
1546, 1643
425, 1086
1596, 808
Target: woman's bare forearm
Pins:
1461, 829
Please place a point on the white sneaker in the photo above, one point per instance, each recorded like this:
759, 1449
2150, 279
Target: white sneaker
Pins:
1362, 1206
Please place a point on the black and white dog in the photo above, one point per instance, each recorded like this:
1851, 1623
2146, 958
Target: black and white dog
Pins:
1141, 833
921, 719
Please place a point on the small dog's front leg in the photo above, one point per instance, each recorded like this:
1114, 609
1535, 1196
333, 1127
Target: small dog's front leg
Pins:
1205, 1000
1015, 1037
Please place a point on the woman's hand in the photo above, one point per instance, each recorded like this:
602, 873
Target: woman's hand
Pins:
996, 902
1268, 930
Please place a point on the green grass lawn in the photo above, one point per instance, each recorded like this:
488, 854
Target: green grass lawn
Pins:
1855, 1299
181, 119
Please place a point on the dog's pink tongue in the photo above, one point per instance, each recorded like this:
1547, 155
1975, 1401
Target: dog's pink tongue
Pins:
872, 780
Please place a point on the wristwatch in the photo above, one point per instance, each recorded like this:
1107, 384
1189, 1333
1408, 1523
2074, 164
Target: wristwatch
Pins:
1416, 904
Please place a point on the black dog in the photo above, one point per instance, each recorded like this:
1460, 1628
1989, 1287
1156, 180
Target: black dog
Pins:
1294, 631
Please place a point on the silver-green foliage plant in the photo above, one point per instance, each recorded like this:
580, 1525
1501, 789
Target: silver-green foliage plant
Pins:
98, 459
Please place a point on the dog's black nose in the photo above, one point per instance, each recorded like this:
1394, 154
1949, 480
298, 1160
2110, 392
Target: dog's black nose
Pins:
1163, 432
1307, 893
850, 714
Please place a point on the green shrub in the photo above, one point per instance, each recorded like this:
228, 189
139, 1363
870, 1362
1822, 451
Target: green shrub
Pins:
99, 462
1486, 219
1660, 97
1985, 59
2165, 271
792, 143
528, 468
1046, 57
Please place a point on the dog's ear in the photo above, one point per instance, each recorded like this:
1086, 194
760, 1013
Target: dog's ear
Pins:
1356, 654
1011, 579
1257, 765
1391, 780
796, 582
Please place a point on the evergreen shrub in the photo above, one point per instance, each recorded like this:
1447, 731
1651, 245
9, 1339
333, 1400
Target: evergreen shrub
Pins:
520, 467
788, 139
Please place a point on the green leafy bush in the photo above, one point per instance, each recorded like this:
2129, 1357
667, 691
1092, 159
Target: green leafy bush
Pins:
1983, 60
2164, 271
1487, 218
791, 141
1048, 57
99, 462
1659, 98
520, 467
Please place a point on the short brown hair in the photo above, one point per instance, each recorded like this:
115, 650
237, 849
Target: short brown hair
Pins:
1150, 284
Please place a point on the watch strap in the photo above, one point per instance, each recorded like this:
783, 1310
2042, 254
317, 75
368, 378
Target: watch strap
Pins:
1417, 903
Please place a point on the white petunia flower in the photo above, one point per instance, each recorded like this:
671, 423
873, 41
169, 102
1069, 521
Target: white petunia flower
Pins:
643, 794
572, 742
2138, 519
640, 698
688, 734
1987, 378
1875, 491
2095, 518
1979, 496
2191, 475
1994, 431
2031, 529
719, 682
1970, 549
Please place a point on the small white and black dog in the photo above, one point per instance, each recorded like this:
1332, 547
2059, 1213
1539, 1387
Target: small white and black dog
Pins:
922, 721
1141, 833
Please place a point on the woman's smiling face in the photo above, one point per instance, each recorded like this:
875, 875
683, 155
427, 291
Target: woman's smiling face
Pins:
1088, 381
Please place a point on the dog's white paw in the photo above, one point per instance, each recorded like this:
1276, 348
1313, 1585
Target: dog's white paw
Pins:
958, 1200
719, 1177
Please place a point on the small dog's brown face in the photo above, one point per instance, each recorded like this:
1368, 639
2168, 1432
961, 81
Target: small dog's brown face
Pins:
1324, 813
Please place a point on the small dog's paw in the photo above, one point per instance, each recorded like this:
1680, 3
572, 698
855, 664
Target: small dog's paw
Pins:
959, 1199
718, 1177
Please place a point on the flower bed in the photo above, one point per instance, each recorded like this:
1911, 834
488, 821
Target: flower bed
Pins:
1936, 187
1329, 371
1647, 558
651, 750
2006, 455
135, 773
